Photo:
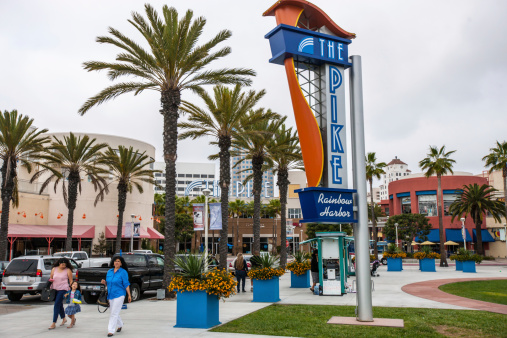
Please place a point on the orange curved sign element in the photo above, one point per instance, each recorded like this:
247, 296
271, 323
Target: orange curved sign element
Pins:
289, 12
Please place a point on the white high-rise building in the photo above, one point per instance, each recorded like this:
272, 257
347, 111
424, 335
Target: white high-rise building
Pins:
238, 190
395, 170
186, 173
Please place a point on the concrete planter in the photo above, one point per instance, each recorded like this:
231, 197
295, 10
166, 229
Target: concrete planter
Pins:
301, 281
459, 266
394, 264
469, 266
427, 265
266, 291
197, 310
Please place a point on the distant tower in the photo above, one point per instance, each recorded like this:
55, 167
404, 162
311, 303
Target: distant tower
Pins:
395, 170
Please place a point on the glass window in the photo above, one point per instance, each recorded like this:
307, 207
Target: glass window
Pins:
428, 205
181, 175
295, 213
448, 200
406, 207
158, 174
211, 176
24, 266
188, 175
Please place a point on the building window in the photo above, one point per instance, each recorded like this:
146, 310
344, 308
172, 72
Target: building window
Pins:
406, 207
181, 175
181, 189
295, 213
188, 175
158, 174
448, 200
211, 176
386, 210
204, 176
428, 205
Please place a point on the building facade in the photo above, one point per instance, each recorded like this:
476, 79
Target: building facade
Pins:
395, 170
239, 172
194, 176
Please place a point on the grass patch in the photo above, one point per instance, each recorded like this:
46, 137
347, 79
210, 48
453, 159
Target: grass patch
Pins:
311, 321
493, 291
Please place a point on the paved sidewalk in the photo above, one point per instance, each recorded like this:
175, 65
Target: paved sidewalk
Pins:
157, 318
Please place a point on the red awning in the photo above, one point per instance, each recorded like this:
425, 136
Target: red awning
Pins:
143, 233
57, 231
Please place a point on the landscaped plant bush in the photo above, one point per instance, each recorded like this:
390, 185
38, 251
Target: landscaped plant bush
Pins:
267, 267
394, 252
372, 258
466, 255
193, 278
301, 263
426, 253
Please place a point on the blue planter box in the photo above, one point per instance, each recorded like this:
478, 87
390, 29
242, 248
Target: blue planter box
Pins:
302, 281
459, 266
469, 266
197, 310
267, 291
394, 264
427, 265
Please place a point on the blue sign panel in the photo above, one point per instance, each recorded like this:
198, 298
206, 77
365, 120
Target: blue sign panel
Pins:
327, 205
317, 48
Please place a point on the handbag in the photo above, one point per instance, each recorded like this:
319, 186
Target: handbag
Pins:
48, 294
102, 301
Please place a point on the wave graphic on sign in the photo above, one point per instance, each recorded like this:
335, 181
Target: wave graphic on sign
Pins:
306, 45
192, 185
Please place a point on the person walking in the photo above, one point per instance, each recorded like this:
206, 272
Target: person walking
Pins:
117, 282
314, 268
241, 269
255, 262
61, 276
73, 298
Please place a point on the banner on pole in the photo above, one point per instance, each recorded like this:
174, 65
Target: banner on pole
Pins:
198, 209
128, 230
137, 230
215, 210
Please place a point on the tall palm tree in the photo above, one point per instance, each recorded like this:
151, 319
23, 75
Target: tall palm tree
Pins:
221, 120
173, 63
252, 144
497, 160
66, 160
236, 207
19, 142
159, 201
373, 170
285, 154
129, 169
439, 163
475, 201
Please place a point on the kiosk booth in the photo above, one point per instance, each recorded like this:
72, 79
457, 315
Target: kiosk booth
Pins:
333, 262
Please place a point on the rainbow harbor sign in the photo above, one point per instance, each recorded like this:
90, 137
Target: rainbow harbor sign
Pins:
327, 205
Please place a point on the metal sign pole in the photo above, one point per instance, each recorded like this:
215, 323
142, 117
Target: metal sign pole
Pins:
364, 312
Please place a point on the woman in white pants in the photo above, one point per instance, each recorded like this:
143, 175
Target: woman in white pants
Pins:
117, 281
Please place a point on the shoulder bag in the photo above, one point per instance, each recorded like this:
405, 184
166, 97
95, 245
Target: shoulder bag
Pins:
48, 294
103, 301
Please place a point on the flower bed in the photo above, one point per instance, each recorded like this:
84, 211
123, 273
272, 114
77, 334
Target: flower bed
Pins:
424, 255
394, 255
215, 282
298, 268
265, 273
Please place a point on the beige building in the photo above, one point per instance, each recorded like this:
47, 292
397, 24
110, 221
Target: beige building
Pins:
40, 220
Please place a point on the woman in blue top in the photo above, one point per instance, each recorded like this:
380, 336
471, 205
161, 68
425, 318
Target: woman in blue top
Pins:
117, 281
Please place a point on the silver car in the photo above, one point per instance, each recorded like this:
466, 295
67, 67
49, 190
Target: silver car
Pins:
29, 274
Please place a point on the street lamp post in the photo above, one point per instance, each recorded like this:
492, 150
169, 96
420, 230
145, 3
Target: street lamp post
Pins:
396, 226
206, 193
462, 219
132, 216
300, 240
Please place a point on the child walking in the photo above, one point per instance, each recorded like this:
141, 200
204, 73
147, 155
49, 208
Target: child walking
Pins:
73, 298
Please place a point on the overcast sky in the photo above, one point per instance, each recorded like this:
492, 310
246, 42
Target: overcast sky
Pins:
433, 71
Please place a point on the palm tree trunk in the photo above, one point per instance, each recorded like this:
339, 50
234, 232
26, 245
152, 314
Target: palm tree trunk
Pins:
122, 201
283, 183
224, 142
257, 162
71, 204
237, 235
478, 233
170, 100
7, 189
443, 254
504, 174
373, 222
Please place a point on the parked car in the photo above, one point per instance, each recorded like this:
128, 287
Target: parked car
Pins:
81, 257
146, 272
212, 262
231, 269
29, 274
3, 265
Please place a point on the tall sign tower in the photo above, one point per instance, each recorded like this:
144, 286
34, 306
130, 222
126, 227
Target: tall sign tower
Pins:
314, 51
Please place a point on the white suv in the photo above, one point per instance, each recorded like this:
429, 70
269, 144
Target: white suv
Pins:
29, 274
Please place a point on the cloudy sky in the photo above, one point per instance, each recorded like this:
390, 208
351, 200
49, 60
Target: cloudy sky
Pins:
433, 71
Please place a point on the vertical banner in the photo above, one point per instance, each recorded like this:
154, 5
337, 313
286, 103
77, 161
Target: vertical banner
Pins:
128, 230
137, 229
198, 209
215, 210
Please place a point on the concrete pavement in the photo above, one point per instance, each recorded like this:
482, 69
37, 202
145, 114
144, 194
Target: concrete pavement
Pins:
157, 318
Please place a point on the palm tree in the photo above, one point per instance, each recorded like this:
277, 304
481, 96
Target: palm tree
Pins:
129, 169
173, 63
285, 154
222, 119
19, 141
66, 160
159, 201
497, 159
236, 207
438, 163
373, 170
252, 143
475, 201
